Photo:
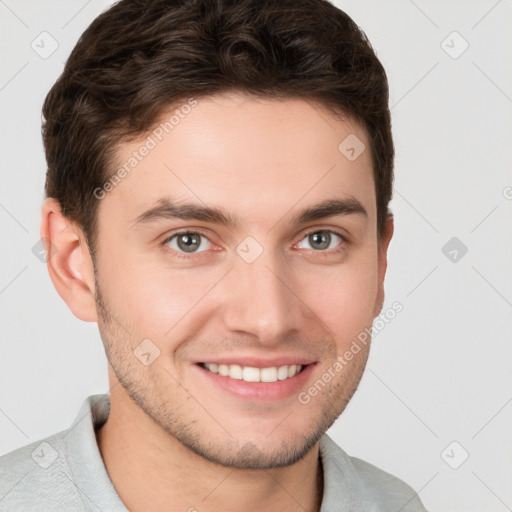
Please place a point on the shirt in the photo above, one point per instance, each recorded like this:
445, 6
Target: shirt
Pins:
65, 472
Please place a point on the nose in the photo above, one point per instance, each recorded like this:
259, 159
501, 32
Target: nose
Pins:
262, 299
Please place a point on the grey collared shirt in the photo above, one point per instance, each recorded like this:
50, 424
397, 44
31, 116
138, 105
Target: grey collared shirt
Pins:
65, 472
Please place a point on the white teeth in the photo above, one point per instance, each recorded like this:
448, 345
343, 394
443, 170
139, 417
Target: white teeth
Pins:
282, 372
251, 374
235, 371
268, 374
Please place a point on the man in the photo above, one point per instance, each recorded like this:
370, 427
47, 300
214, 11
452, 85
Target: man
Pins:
218, 183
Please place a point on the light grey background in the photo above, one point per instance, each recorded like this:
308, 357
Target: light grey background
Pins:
441, 370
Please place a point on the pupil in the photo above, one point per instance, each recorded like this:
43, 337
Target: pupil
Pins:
187, 242
322, 239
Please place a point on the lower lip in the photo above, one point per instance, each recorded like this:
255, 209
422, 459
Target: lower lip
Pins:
264, 391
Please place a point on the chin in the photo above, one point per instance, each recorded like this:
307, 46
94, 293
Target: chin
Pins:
247, 455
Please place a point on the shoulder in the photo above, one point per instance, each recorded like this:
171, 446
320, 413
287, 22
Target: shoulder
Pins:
370, 487
35, 477
387, 488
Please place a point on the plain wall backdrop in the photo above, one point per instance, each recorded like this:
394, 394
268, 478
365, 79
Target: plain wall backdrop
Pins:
435, 404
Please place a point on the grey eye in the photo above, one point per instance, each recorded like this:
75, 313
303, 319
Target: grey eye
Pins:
321, 240
188, 242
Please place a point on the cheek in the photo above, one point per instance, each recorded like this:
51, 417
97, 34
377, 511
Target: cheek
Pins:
155, 299
160, 301
344, 299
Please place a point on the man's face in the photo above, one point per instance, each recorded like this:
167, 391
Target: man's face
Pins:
189, 298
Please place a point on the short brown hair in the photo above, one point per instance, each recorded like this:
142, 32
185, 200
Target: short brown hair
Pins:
140, 57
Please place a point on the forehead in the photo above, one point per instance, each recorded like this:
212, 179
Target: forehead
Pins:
249, 155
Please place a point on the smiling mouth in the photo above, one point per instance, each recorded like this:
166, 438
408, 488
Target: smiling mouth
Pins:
252, 374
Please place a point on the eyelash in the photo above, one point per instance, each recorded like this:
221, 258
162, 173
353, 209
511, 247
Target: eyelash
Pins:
198, 231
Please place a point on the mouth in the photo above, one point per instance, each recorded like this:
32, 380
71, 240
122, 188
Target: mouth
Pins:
258, 382
253, 374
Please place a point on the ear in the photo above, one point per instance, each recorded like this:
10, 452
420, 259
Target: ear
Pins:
383, 262
68, 260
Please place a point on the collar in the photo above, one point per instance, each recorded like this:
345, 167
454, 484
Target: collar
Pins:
341, 484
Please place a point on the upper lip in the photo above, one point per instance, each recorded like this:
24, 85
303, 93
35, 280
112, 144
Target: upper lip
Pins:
258, 362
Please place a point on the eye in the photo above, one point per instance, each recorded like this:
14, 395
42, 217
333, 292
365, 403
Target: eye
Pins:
321, 240
188, 242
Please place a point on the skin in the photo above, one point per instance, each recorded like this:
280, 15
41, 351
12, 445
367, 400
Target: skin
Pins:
263, 160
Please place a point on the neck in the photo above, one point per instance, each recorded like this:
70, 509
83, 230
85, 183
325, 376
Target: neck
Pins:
152, 471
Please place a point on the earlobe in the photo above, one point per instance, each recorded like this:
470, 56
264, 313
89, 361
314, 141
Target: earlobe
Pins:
383, 263
68, 260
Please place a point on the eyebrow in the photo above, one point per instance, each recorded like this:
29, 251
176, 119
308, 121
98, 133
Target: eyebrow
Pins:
166, 209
